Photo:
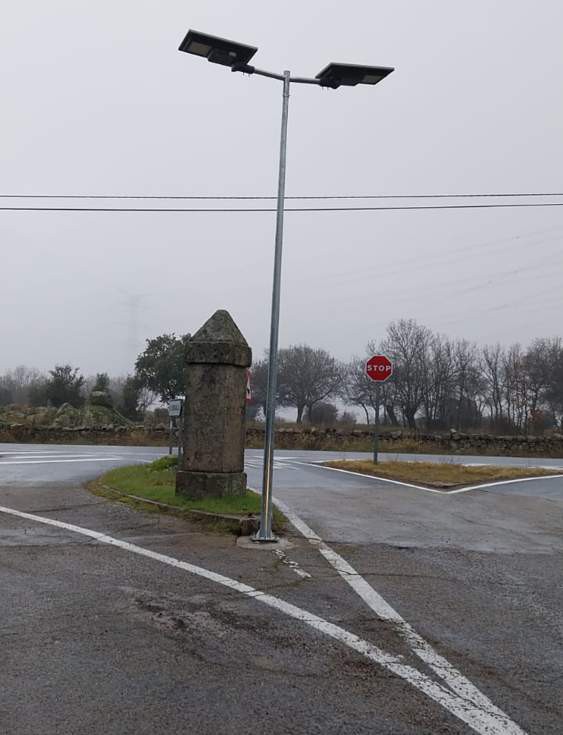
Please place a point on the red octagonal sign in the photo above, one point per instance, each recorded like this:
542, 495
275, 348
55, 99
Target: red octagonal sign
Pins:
379, 368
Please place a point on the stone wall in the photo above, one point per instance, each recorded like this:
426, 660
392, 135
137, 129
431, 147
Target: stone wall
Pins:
549, 445
110, 435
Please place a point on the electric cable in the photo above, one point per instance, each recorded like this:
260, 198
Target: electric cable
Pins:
173, 197
225, 210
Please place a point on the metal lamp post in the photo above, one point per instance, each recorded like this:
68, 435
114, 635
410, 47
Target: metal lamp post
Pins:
236, 56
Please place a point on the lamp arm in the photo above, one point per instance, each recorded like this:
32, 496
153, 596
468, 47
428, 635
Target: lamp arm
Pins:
249, 69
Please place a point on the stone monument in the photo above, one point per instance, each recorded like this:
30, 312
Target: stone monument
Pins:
216, 360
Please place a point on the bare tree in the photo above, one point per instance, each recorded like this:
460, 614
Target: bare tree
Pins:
407, 344
468, 383
306, 377
439, 382
18, 384
259, 385
538, 365
146, 398
491, 371
553, 396
357, 389
515, 388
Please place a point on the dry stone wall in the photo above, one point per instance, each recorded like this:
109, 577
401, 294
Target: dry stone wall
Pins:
549, 445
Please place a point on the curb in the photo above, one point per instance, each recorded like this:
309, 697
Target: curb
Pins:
242, 526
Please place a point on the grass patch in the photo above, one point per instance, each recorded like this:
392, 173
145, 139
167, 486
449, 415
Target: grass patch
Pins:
444, 475
157, 481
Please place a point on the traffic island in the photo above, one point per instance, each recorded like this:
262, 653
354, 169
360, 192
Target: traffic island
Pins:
439, 475
152, 487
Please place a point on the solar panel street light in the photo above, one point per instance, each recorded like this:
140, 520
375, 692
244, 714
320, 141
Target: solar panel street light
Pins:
348, 75
217, 50
236, 56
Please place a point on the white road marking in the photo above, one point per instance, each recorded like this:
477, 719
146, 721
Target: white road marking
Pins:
481, 486
450, 675
282, 556
257, 464
516, 466
45, 456
61, 461
374, 477
42, 448
20, 455
277, 458
484, 486
483, 720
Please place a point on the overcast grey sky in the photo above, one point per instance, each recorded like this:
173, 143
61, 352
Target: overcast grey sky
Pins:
97, 99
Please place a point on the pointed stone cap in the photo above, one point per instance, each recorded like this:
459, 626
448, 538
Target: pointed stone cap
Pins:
219, 340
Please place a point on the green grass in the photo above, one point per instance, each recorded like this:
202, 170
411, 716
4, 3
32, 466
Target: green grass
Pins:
157, 480
439, 474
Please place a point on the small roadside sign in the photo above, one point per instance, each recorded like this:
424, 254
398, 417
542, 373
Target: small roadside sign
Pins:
175, 407
248, 387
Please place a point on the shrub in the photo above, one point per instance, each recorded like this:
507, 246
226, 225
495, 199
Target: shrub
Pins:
164, 463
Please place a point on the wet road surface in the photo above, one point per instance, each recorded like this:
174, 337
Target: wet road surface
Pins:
101, 638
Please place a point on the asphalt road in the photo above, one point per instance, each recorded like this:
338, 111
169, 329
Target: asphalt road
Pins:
419, 612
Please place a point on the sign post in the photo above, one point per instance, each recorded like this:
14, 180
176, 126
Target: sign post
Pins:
248, 395
175, 408
379, 368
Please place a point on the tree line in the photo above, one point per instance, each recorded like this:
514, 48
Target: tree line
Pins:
65, 384
158, 377
438, 383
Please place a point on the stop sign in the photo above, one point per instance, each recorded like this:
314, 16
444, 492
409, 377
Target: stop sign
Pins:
379, 368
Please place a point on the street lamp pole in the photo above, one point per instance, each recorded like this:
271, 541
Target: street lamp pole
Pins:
236, 56
264, 533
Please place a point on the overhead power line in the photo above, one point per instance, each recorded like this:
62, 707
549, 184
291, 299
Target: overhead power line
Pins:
287, 209
173, 197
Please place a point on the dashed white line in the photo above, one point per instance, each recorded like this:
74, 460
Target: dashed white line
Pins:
483, 720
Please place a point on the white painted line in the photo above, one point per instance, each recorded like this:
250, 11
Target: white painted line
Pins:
483, 720
31, 455
374, 477
46, 456
54, 448
484, 486
154, 456
61, 461
282, 556
481, 486
258, 464
450, 675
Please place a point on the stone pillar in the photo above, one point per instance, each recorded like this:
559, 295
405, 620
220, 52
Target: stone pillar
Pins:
216, 360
